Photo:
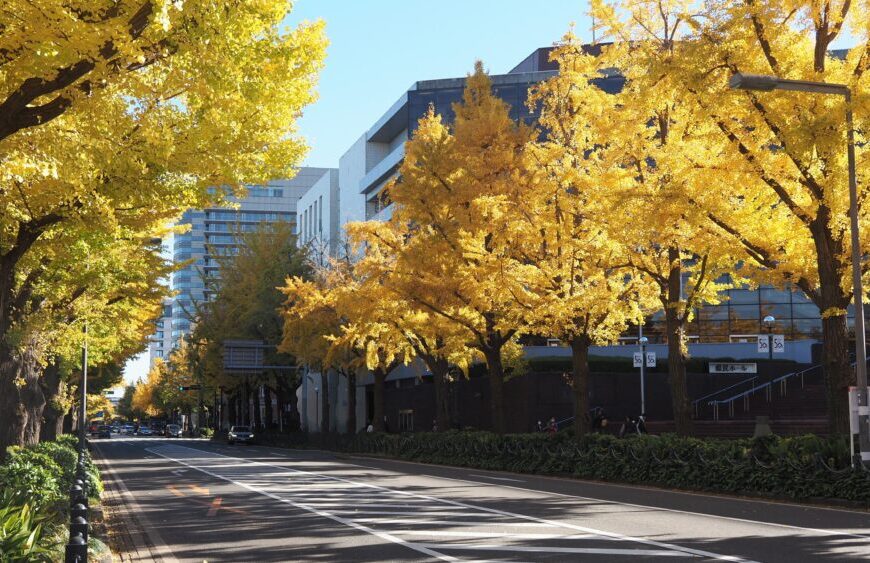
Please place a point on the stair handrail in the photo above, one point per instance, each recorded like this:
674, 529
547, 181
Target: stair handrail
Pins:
763, 385
707, 396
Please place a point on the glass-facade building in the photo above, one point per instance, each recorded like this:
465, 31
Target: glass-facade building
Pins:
213, 232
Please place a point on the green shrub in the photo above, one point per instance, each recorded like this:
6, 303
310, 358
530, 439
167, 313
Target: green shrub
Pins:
32, 477
65, 457
804, 467
22, 532
64, 451
206, 432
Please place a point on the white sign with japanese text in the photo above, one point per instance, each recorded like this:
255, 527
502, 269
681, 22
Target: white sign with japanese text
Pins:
778, 344
733, 367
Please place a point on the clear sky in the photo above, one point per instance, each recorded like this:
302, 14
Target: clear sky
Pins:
379, 48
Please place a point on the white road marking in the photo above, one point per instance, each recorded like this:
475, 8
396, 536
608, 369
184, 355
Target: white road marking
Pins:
428, 512
676, 550
650, 507
546, 549
496, 478
342, 504
340, 520
452, 522
506, 535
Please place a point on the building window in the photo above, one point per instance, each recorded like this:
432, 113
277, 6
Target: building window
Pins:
320, 223
406, 420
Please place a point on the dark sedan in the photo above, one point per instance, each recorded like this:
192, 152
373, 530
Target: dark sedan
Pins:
240, 434
104, 431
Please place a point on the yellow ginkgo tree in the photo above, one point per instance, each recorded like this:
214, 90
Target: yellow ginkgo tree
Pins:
640, 134
456, 193
117, 116
413, 330
781, 156
578, 283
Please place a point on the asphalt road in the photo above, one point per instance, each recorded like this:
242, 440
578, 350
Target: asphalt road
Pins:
195, 500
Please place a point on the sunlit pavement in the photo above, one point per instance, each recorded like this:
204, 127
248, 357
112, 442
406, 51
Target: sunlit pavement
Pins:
192, 500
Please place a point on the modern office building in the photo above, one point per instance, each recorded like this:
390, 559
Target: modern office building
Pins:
160, 343
213, 232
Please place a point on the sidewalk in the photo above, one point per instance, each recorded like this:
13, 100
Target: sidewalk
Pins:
128, 537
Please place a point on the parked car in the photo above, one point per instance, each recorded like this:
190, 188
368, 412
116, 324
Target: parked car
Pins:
93, 429
241, 434
173, 431
116, 429
104, 431
127, 429
145, 431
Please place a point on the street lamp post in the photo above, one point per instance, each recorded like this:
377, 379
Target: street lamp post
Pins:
316, 402
770, 83
769, 323
83, 414
642, 341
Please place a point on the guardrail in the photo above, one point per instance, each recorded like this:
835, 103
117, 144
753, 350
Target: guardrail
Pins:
697, 402
766, 386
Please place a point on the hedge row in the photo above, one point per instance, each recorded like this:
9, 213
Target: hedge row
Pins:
799, 468
34, 499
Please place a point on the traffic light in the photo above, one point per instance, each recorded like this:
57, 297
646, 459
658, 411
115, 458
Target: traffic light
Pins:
189, 387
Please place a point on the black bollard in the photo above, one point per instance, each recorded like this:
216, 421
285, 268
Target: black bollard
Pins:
76, 550
76, 495
79, 510
79, 525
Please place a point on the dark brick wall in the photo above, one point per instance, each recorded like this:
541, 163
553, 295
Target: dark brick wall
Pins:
541, 395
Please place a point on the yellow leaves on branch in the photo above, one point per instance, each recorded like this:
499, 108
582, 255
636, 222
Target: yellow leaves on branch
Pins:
117, 116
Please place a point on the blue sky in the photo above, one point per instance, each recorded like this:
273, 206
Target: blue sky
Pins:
378, 48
